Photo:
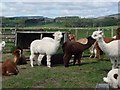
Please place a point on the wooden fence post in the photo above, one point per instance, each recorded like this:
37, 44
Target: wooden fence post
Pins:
76, 34
112, 32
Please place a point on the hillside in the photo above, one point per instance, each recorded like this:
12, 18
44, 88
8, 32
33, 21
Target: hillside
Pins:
113, 15
73, 21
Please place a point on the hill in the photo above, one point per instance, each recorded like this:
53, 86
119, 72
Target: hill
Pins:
71, 21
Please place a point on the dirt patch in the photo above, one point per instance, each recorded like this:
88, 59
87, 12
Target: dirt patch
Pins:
47, 81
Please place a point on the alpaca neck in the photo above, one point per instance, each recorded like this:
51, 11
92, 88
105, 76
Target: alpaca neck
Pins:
16, 59
90, 43
102, 45
57, 41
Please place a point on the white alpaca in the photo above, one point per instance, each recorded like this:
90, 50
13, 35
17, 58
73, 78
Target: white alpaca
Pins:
111, 49
46, 46
2, 44
93, 51
112, 78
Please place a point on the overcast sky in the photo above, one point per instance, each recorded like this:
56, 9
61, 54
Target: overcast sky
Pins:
57, 8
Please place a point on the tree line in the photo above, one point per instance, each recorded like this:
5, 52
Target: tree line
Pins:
73, 21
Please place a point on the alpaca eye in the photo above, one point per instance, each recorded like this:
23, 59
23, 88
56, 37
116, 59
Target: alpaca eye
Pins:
95, 35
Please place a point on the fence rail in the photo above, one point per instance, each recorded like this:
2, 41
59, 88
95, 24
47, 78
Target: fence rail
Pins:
8, 37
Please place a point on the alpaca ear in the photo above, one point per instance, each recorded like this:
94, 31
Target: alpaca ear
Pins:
101, 33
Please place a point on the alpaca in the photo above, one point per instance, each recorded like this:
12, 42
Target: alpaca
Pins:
46, 46
22, 59
99, 52
111, 49
2, 44
71, 37
96, 47
113, 78
76, 49
9, 67
93, 51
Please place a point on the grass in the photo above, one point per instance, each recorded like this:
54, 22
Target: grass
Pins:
87, 75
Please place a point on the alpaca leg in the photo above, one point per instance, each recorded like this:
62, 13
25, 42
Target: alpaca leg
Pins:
40, 59
95, 52
113, 63
118, 79
66, 59
12, 70
79, 58
118, 59
91, 49
98, 54
31, 59
49, 61
35, 58
74, 61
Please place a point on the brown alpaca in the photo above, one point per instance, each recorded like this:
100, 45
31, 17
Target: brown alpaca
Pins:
76, 49
71, 37
9, 67
22, 59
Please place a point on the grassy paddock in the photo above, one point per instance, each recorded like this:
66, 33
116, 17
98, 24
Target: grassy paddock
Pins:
87, 75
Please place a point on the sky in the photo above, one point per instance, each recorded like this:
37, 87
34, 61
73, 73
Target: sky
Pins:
58, 8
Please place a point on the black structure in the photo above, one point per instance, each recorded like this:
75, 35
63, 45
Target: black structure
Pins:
24, 38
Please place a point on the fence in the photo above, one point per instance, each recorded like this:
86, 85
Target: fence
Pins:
9, 35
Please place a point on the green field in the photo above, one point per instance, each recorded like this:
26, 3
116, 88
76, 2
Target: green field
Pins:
87, 75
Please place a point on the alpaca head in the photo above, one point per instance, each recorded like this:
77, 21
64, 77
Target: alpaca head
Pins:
71, 36
97, 35
112, 78
58, 35
17, 53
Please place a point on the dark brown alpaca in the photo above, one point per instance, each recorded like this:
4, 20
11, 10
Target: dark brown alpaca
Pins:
76, 49
22, 59
9, 67
118, 33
